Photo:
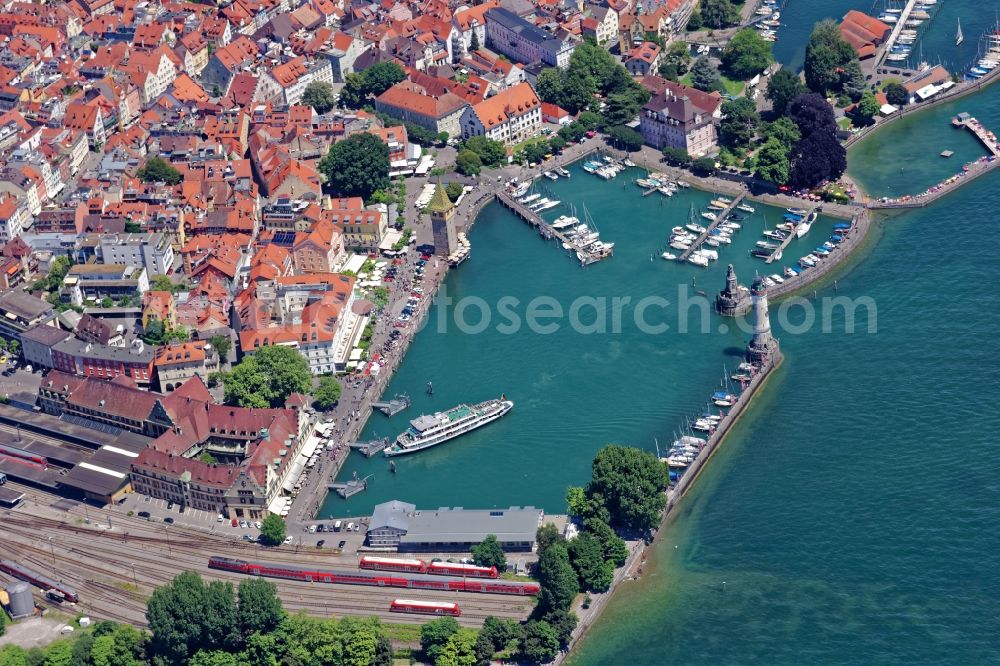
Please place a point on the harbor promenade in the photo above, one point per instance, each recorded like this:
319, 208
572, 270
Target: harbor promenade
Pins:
719, 219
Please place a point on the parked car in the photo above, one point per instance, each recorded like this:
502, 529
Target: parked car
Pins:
288, 540
143, 514
341, 544
168, 520
319, 544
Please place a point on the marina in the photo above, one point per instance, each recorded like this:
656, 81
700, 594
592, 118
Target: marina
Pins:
715, 222
585, 248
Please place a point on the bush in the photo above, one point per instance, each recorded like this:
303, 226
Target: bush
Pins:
468, 163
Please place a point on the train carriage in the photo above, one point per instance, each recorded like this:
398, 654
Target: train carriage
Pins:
425, 607
392, 564
54, 588
460, 569
375, 578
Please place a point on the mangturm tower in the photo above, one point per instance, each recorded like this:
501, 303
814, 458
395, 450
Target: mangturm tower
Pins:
734, 300
763, 344
442, 212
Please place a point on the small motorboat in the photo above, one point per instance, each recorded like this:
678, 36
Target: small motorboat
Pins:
709, 216
801, 212
551, 175
746, 208
562, 172
712, 242
677, 231
669, 256
698, 260
708, 254
696, 228
768, 246
680, 245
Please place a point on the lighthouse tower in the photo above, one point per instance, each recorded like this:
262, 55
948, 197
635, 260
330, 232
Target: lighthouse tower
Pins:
763, 343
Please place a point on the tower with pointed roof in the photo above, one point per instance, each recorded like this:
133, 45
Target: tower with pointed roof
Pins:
442, 212
734, 300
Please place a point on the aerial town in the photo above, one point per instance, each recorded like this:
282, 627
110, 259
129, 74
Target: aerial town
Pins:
223, 227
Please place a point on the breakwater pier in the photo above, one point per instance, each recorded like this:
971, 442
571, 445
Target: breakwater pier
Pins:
719, 219
546, 230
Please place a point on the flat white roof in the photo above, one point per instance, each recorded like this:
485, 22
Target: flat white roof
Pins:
102, 470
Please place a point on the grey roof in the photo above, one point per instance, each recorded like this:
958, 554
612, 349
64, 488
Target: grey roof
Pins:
457, 525
45, 335
391, 515
24, 305
516, 24
74, 347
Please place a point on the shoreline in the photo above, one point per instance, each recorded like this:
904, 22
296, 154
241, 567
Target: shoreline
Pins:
674, 498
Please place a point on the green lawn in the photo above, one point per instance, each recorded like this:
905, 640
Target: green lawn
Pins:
528, 142
732, 87
402, 633
844, 123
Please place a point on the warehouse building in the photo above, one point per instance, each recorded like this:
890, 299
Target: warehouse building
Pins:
402, 526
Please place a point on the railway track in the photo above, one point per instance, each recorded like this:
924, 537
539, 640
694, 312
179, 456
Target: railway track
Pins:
95, 560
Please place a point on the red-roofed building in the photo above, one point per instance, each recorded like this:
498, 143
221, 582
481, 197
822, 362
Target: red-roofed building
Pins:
643, 59
510, 116
438, 111
864, 33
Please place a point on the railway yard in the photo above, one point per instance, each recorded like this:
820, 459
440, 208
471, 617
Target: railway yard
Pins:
115, 563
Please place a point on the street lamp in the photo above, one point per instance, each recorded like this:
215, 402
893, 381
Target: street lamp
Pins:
166, 531
134, 581
53, 550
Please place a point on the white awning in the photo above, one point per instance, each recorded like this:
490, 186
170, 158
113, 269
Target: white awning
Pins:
294, 472
277, 504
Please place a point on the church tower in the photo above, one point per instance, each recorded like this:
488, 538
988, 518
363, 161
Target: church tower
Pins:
442, 212
763, 343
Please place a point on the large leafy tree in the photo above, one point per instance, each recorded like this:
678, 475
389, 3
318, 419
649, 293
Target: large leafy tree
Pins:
267, 378
827, 54
613, 546
547, 535
719, 13
625, 138
272, 530
327, 392
676, 61
372, 82
319, 95
772, 162
468, 163
587, 558
782, 88
563, 622
705, 75
784, 130
258, 608
867, 109
541, 642
818, 156
491, 152
739, 122
434, 635
632, 483
459, 650
187, 615
358, 166
747, 54
158, 170
489, 553
557, 578
896, 94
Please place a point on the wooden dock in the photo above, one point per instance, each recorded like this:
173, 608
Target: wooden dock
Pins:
777, 254
719, 219
394, 406
544, 228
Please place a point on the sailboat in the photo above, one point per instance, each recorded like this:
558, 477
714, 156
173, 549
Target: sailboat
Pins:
959, 38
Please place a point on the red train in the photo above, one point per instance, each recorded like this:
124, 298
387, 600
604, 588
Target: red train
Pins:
21, 454
419, 566
53, 587
425, 607
414, 581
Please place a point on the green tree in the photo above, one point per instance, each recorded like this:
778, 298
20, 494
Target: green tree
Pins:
719, 13
258, 608
852, 80
536, 152
784, 130
164, 283
12, 655
221, 344
782, 88
356, 166
272, 530
434, 635
563, 622
491, 152
677, 156
327, 393
547, 535
739, 122
557, 144
867, 109
187, 615
214, 658
260, 650
705, 76
587, 558
676, 61
557, 578
827, 54
489, 553
625, 138
468, 163
747, 54
319, 95
577, 502
541, 642
158, 170
498, 633
59, 653
383, 651
613, 546
372, 82
772, 162
819, 155
573, 132
459, 650
454, 190
632, 483
474, 42
695, 22
896, 94
267, 378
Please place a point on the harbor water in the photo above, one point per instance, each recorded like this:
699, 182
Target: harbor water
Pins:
573, 391
850, 517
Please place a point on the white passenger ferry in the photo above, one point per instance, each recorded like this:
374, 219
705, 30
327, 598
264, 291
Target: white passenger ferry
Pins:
432, 429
